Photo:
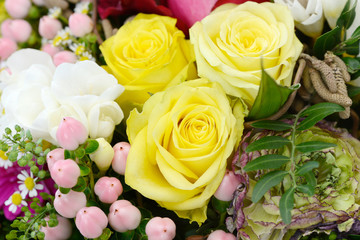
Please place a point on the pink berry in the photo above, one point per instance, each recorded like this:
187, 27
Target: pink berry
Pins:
50, 49
53, 156
71, 133
124, 216
220, 235
62, 231
18, 8
7, 47
80, 24
64, 57
65, 173
67, 205
18, 30
160, 229
91, 221
121, 151
108, 189
227, 187
48, 27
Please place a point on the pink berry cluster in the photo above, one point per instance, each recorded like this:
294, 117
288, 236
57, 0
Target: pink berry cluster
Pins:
17, 30
71, 203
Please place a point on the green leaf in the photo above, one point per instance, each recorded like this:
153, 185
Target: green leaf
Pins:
310, 178
272, 125
316, 113
353, 91
351, 49
356, 34
106, 234
84, 170
80, 152
80, 185
219, 206
347, 15
67, 154
64, 190
307, 167
268, 142
353, 64
271, 161
91, 146
286, 205
125, 235
270, 98
327, 42
266, 182
307, 189
313, 146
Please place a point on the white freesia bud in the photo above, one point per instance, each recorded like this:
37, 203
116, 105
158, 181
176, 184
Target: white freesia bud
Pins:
332, 10
103, 117
103, 155
308, 15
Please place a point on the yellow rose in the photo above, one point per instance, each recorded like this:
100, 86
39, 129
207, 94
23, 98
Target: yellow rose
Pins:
231, 41
180, 144
147, 55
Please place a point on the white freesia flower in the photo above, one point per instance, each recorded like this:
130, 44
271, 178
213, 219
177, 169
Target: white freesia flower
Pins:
308, 15
332, 10
37, 95
356, 22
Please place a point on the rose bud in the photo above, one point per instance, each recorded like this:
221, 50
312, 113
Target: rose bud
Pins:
103, 155
18, 30
7, 47
18, 8
220, 235
65, 173
62, 231
108, 189
123, 216
53, 156
67, 205
71, 133
48, 27
121, 151
64, 57
160, 229
80, 24
227, 187
91, 221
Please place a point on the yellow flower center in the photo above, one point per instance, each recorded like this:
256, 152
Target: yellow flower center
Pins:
16, 199
29, 183
79, 49
57, 41
3, 155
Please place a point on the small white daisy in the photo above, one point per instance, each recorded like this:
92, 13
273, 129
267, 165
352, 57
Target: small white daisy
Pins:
4, 161
15, 201
54, 12
28, 184
82, 7
78, 48
86, 56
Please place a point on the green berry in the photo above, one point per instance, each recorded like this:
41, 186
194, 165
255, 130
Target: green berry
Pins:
17, 128
31, 163
38, 150
29, 146
41, 160
29, 156
53, 222
34, 169
8, 131
40, 235
42, 174
22, 162
13, 156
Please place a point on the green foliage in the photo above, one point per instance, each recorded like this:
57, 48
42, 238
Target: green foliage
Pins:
270, 98
295, 170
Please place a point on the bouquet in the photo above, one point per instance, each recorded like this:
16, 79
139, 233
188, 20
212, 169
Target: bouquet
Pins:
179, 119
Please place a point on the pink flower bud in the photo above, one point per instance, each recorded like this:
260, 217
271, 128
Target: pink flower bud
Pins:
80, 24
91, 221
53, 156
227, 187
60, 232
65, 173
108, 189
50, 49
160, 229
48, 27
18, 30
18, 8
220, 235
121, 151
124, 216
7, 47
64, 57
67, 205
71, 133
